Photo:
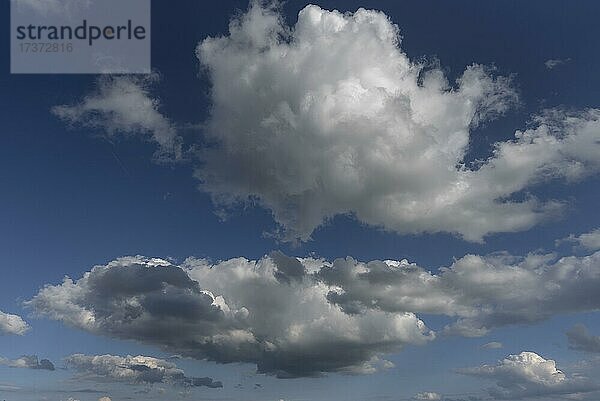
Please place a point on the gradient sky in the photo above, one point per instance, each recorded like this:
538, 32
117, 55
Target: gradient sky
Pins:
74, 197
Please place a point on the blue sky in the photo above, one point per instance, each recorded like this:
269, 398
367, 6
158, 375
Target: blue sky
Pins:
77, 196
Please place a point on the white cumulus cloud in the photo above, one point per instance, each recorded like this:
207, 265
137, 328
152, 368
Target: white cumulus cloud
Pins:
330, 117
273, 312
529, 375
12, 324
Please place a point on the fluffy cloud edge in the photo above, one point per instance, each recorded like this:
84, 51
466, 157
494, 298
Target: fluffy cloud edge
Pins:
350, 140
13, 324
528, 374
589, 241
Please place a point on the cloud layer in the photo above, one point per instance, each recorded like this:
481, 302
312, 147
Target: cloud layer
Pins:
135, 370
302, 317
267, 312
331, 117
12, 324
28, 362
529, 375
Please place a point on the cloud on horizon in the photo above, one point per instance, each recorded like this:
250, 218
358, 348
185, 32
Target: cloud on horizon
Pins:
427, 396
28, 362
134, 370
529, 375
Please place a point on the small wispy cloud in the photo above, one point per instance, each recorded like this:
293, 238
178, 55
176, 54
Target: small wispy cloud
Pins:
123, 105
555, 62
492, 345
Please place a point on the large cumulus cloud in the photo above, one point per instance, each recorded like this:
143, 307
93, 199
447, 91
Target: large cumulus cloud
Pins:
269, 312
134, 370
300, 317
331, 117
529, 375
